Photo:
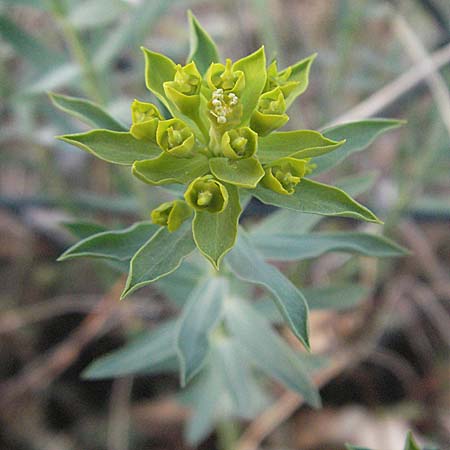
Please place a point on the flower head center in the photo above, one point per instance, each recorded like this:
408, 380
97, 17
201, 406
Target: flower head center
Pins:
222, 105
204, 198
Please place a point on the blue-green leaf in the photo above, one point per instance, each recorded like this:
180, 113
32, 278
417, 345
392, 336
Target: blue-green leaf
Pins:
149, 353
266, 349
317, 198
159, 256
358, 135
119, 245
86, 111
113, 146
249, 265
199, 317
336, 297
289, 247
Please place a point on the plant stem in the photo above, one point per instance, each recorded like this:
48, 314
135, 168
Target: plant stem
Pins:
227, 435
411, 187
78, 51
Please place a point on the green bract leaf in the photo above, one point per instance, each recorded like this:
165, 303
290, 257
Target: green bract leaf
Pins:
296, 144
145, 354
317, 198
283, 175
299, 72
270, 113
248, 264
145, 117
239, 143
240, 172
86, 111
168, 169
215, 233
203, 50
205, 194
352, 447
254, 69
289, 247
171, 214
358, 136
200, 316
159, 256
158, 70
113, 146
119, 245
268, 351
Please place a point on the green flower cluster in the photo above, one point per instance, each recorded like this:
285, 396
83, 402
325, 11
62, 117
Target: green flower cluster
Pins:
218, 119
215, 132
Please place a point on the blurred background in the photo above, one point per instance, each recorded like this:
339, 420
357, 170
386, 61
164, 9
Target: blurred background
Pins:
375, 58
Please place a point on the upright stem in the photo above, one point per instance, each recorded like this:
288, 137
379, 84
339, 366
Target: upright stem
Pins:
76, 47
227, 435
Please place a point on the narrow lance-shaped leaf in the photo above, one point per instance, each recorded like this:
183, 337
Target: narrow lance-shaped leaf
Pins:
254, 68
357, 185
300, 73
289, 247
358, 135
249, 265
169, 169
285, 221
86, 111
199, 317
159, 256
83, 230
203, 398
145, 354
336, 297
239, 381
316, 198
268, 351
120, 245
215, 233
203, 50
296, 144
113, 146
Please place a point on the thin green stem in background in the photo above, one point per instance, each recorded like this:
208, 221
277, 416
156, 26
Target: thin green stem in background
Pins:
227, 435
90, 81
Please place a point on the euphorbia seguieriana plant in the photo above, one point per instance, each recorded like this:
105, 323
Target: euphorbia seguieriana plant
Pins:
212, 131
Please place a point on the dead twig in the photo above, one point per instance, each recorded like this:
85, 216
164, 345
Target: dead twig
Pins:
40, 373
396, 88
418, 53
